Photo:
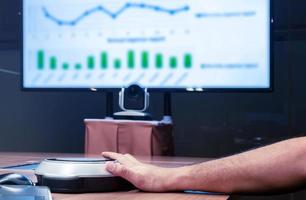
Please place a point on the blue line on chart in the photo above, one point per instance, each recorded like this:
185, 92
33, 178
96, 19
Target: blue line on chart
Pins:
111, 14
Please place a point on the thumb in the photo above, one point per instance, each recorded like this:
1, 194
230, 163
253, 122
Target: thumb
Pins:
119, 170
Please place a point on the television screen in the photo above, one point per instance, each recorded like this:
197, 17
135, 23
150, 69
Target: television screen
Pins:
157, 44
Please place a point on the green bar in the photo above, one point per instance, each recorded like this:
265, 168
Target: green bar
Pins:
159, 61
40, 59
117, 63
91, 62
78, 66
65, 66
145, 59
104, 60
173, 62
188, 61
53, 62
131, 59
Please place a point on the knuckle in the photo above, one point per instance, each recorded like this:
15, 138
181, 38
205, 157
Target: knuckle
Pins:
122, 159
116, 170
124, 172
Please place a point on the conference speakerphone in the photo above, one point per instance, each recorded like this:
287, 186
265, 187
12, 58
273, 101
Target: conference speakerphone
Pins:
79, 175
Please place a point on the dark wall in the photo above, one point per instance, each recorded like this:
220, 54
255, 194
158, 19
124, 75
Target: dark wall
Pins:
214, 124
9, 24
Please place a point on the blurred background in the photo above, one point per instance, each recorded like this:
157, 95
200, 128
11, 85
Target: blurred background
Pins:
206, 125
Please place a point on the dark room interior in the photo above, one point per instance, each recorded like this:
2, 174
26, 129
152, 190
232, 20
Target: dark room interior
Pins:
207, 124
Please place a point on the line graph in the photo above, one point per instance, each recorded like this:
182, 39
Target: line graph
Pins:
113, 15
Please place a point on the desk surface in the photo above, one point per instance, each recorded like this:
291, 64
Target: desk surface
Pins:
9, 159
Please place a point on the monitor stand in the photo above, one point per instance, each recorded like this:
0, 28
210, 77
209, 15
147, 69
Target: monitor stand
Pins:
167, 118
109, 105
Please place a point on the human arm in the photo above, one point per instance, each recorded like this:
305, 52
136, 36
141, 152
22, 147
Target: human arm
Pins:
271, 168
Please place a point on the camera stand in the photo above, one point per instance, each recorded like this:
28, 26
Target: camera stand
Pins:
132, 115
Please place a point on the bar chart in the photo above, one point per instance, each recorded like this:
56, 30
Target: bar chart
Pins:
104, 63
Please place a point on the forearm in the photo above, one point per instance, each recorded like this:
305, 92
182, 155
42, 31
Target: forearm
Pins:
282, 165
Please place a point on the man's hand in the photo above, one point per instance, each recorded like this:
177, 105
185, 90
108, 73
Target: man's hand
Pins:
144, 176
275, 168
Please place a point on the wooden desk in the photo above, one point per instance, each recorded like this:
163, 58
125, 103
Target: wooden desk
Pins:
9, 159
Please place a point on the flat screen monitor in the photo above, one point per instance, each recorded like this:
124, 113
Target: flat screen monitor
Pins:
157, 44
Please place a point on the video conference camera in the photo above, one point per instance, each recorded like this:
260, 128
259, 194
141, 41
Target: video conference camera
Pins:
133, 100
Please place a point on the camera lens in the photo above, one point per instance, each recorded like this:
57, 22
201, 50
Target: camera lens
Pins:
134, 91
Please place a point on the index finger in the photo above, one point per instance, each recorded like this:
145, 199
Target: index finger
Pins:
111, 155
119, 157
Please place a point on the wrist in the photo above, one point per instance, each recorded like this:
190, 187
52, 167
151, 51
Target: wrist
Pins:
179, 179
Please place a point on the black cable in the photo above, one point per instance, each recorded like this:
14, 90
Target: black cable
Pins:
6, 71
